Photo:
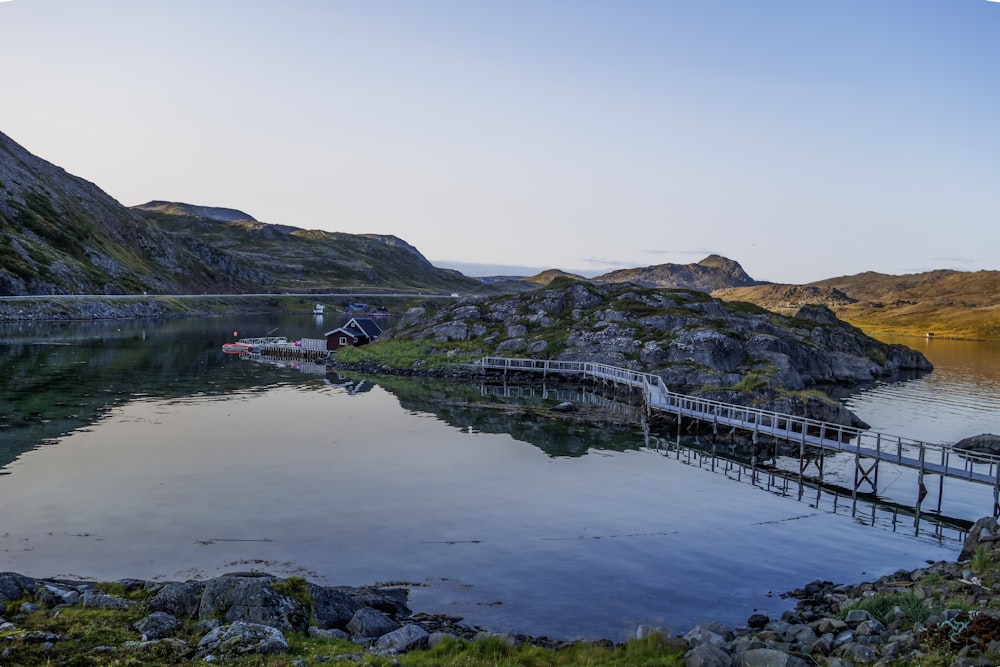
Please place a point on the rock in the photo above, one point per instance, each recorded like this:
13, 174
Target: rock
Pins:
94, 599
178, 599
328, 633
241, 638
157, 625
159, 648
707, 655
983, 531
392, 601
757, 621
15, 586
765, 657
709, 633
251, 599
860, 653
406, 638
565, 406
368, 622
984, 443
332, 607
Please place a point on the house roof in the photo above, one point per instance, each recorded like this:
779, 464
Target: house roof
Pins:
367, 325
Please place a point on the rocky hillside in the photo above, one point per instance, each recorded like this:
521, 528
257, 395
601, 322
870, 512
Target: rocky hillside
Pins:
300, 260
713, 272
696, 343
60, 234
947, 303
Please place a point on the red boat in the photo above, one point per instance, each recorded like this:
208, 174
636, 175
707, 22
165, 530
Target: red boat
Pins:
236, 348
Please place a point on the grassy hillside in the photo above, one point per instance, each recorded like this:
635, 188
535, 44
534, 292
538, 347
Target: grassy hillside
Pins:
308, 260
948, 303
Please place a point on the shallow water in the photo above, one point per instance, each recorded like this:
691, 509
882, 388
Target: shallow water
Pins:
200, 464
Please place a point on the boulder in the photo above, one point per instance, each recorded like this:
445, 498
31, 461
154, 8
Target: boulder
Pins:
178, 599
368, 622
240, 639
406, 638
15, 586
984, 443
94, 599
332, 607
157, 625
252, 600
707, 655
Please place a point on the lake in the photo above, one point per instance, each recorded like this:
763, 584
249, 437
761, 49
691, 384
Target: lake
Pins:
137, 449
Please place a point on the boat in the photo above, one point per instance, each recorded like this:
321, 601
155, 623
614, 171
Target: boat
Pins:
236, 348
318, 309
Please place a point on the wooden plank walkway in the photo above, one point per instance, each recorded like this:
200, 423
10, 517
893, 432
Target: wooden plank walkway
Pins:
927, 458
279, 347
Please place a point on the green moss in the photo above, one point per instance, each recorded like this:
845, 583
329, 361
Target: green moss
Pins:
411, 353
298, 589
750, 384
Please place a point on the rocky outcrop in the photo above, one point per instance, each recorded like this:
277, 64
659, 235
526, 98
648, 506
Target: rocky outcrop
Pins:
691, 340
985, 443
233, 616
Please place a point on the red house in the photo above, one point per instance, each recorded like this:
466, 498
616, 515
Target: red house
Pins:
357, 331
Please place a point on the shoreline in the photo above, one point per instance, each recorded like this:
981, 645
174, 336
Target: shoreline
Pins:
834, 624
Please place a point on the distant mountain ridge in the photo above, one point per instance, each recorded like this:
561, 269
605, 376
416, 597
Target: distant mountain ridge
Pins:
712, 273
944, 302
209, 212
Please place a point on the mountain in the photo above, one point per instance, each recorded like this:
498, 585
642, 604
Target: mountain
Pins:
301, 260
944, 302
713, 272
60, 234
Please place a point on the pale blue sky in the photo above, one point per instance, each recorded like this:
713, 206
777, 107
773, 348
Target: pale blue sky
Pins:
804, 139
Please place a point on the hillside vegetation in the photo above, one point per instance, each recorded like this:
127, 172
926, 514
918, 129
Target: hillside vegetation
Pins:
947, 303
60, 234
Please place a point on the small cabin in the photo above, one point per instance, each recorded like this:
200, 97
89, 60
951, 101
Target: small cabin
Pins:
357, 331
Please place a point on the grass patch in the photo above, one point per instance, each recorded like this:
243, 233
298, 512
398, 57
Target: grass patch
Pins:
750, 383
411, 353
884, 605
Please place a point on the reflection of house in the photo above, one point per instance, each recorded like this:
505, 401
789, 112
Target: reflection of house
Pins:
357, 331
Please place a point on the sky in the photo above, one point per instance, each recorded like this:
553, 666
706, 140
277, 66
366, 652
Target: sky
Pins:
805, 139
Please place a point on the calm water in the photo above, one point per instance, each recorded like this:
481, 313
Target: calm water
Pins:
136, 449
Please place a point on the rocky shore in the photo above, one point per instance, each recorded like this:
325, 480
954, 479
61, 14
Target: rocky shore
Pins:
946, 608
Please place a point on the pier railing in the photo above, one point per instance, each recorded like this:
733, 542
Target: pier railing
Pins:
927, 458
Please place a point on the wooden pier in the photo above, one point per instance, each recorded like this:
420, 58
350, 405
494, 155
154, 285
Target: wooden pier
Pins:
869, 448
279, 347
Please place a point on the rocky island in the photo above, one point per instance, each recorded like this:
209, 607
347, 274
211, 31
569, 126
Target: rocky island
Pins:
728, 351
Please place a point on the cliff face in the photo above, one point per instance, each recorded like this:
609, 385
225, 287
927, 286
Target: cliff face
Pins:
694, 342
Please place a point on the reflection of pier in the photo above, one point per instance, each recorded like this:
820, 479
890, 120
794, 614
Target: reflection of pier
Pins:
866, 508
307, 366
580, 396
815, 439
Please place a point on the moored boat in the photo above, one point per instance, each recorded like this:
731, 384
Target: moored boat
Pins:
236, 348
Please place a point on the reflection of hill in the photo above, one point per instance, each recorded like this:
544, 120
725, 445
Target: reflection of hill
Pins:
62, 376
526, 418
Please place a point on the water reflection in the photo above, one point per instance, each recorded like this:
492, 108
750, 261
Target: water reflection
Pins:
171, 460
